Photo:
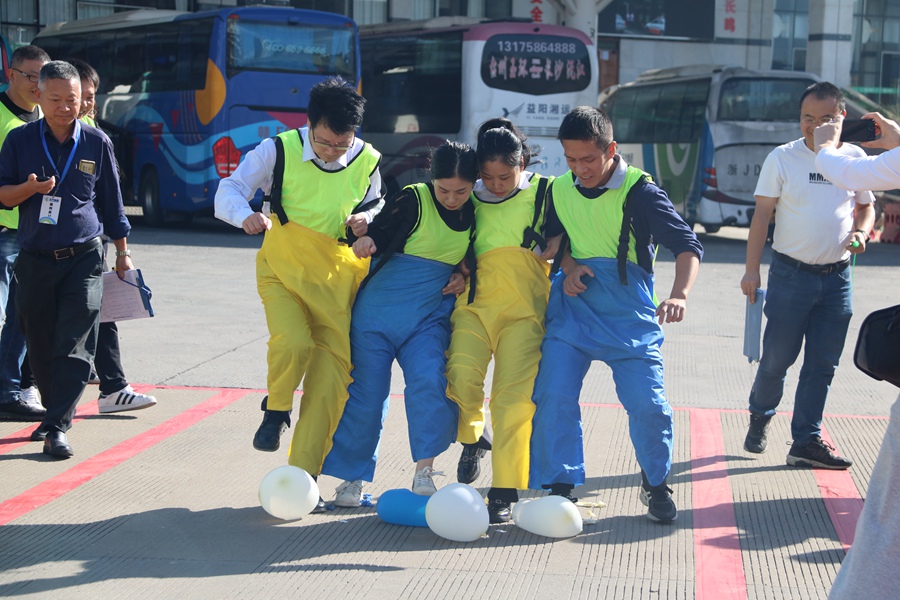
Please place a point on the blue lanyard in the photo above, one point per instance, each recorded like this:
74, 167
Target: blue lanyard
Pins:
60, 178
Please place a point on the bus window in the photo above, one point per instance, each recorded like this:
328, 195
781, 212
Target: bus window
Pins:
268, 46
744, 99
693, 110
643, 117
412, 84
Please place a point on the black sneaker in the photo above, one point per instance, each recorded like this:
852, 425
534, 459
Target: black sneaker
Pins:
564, 490
469, 467
658, 500
756, 434
499, 511
818, 454
274, 423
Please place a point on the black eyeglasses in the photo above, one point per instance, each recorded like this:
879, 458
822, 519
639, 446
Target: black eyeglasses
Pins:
331, 146
31, 78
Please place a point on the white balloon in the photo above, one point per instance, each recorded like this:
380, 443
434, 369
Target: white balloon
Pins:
552, 516
288, 493
457, 512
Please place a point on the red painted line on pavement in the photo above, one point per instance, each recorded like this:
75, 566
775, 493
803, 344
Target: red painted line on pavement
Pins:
842, 499
88, 409
743, 410
83, 472
717, 550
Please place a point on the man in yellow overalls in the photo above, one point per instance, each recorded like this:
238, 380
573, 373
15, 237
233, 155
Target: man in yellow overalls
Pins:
318, 178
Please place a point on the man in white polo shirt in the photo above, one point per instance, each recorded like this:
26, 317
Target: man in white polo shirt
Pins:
809, 293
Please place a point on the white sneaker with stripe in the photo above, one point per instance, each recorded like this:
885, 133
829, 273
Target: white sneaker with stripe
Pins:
124, 399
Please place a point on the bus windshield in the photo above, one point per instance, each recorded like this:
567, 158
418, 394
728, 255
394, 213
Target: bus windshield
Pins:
270, 46
535, 64
760, 99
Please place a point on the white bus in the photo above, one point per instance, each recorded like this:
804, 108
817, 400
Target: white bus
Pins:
426, 81
704, 131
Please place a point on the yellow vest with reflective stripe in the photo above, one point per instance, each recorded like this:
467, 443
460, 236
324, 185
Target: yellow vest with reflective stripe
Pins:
594, 224
318, 199
431, 238
8, 122
502, 224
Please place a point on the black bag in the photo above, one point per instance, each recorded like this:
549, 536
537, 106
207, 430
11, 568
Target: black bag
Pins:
877, 351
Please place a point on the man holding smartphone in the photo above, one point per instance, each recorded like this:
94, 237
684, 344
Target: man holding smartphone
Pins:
809, 293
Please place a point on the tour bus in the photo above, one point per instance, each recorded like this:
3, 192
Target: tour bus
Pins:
704, 131
184, 96
426, 81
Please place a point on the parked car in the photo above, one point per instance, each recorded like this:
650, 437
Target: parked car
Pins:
657, 26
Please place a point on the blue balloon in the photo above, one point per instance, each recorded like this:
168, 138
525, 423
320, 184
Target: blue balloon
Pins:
402, 507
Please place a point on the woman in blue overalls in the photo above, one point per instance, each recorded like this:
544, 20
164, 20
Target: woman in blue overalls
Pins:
402, 312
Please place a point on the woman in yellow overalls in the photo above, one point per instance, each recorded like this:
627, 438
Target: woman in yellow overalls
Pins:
501, 314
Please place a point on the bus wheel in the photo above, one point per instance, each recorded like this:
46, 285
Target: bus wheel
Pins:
711, 228
148, 192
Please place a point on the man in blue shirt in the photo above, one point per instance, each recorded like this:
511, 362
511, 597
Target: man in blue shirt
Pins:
62, 175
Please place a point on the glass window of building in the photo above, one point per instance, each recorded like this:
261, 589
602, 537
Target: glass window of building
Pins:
790, 27
876, 51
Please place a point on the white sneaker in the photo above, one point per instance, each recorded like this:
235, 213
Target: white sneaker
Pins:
124, 399
31, 397
423, 484
349, 494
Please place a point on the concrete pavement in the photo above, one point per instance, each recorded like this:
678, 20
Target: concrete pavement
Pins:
162, 502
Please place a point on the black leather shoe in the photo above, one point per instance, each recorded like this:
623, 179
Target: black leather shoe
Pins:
499, 511
469, 467
39, 434
56, 444
320, 506
274, 423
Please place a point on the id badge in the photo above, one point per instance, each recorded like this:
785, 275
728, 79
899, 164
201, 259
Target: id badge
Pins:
50, 210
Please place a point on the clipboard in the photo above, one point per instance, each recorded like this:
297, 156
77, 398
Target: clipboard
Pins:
125, 300
753, 327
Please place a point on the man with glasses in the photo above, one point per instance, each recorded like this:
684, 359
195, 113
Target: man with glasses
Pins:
18, 105
809, 293
318, 179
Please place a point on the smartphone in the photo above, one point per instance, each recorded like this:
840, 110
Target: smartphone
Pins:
42, 178
858, 130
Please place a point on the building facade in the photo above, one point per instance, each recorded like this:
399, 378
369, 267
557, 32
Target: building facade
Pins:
855, 43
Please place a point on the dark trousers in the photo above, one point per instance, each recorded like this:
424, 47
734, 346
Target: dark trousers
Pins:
108, 361
58, 304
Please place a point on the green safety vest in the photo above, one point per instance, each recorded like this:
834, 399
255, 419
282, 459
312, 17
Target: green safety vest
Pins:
594, 224
313, 197
430, 237
8, 122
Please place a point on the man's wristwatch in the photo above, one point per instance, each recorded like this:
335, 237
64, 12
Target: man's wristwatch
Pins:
123, 253
862, 232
